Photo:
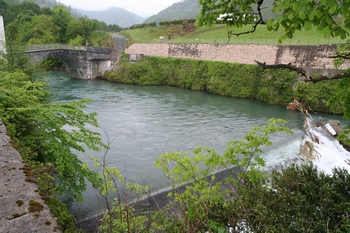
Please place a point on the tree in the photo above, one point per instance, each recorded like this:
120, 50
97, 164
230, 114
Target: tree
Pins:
88, 26
331, 18
47, 132
114, 28
13, 10
74, 29
43, 30
62, 17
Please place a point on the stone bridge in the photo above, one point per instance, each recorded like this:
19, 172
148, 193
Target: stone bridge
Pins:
82, 62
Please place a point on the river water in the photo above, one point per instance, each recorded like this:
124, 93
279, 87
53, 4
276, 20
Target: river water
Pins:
146, 121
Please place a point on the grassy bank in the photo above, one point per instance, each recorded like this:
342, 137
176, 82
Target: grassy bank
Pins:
278, 86
218, 33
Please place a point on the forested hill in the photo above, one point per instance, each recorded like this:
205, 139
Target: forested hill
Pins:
114, 15
42, 3
188, 9
50, 4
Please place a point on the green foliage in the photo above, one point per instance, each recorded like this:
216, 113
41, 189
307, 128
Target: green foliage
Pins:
76, 29
42, 30
204, 201
114, 28
295, 199
123, 214
233, 16
52, 63
78, 40
61, 18
329, 17
102, 39
27, 23
306, 14
48, 132
342, 99
317, 96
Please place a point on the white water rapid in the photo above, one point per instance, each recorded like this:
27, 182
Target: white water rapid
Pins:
323, 149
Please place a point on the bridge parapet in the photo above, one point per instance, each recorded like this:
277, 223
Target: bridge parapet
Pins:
83, 62
41, 47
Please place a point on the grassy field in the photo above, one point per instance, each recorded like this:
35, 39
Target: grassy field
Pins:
218, 33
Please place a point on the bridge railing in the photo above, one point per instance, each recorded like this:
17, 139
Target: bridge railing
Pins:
54, 46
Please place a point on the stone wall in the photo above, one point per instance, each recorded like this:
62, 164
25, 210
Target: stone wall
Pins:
21, 208
313, 57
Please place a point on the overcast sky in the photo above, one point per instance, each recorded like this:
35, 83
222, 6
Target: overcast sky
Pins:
144, 8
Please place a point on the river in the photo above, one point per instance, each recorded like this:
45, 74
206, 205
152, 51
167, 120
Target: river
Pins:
147, 121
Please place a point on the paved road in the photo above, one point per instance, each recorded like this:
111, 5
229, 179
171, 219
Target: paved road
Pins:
119, 41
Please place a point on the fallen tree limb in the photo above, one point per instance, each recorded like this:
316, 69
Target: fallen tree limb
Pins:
264, 66
303, 72
343, 56
323, 77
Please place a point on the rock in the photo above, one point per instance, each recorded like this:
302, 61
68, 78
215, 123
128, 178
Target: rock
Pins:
335, 125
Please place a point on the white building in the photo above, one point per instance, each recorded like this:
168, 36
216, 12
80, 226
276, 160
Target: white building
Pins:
2, 36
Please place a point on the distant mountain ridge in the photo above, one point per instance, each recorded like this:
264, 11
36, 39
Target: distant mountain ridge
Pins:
114, 15
186, 9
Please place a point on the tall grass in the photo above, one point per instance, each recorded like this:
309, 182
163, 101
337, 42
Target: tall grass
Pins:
219, 34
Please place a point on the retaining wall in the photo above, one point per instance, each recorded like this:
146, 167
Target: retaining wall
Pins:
313, 57
21, 208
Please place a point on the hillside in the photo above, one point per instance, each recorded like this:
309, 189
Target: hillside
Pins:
218, 33
114, 15
187, 9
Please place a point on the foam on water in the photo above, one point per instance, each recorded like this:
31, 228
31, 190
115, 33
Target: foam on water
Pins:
327, 152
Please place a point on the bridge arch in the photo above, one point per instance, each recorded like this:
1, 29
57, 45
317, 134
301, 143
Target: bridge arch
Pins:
82, 62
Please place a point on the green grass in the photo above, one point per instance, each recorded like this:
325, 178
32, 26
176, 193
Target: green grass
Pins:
218, 33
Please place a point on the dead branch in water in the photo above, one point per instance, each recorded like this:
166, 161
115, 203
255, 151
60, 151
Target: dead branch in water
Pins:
296, 105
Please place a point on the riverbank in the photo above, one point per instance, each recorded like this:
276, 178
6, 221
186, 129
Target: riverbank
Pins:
276, 86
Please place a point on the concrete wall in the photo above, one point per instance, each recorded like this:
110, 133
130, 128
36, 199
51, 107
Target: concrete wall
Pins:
19, 194
315, 57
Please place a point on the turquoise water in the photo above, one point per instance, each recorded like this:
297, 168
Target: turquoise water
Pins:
143, 122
